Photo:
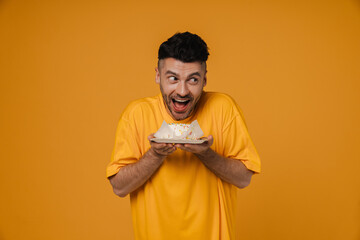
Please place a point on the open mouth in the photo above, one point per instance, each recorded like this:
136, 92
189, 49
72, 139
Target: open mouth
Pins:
180, 105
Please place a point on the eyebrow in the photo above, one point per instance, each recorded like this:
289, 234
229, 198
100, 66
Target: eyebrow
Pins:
174, 73
195, 74
170, 72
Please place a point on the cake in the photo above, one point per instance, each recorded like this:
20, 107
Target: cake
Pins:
179, 131
182, 130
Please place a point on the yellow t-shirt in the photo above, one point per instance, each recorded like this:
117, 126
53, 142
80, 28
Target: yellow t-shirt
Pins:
184, 199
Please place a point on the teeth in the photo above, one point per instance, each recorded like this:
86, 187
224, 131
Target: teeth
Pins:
181, 100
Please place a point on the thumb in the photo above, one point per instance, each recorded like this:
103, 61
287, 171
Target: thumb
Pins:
151, 136
210, 139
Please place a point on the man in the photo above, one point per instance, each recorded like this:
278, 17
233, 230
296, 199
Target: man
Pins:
182, 191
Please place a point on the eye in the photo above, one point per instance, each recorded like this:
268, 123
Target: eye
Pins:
193, 81
172, 78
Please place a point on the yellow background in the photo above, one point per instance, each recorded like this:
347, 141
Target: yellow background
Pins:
68, 69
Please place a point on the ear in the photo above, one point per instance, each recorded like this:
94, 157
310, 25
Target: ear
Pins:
205, 80
157, 76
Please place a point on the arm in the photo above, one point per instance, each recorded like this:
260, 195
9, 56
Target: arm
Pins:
132, 176
230, 170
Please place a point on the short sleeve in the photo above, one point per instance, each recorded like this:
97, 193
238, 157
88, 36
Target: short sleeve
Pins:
238, 144
126, 149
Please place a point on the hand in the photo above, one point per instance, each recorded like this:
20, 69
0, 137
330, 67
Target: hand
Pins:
197, 149
161, 150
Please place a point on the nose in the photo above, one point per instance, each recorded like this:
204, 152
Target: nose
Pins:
182, 89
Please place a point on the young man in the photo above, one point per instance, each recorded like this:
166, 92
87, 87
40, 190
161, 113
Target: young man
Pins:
182, 191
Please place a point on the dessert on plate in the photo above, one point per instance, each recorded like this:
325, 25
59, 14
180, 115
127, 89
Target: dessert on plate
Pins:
179, 131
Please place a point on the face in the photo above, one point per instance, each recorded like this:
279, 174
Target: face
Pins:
181, 85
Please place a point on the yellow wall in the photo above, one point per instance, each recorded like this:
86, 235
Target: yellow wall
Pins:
68, 69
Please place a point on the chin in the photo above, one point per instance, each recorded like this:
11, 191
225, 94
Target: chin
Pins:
180, 117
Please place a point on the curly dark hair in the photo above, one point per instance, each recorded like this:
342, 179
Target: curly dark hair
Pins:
186, 47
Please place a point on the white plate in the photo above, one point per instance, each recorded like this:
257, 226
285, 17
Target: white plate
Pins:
182, 141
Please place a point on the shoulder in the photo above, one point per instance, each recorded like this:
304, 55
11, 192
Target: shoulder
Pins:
216, 100
140, 107
220, 107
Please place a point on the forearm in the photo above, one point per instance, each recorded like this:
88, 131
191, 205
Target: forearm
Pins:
132, 176
230, 170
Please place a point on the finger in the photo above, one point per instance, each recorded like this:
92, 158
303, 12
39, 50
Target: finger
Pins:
171, 151
151, 136
178, 145
171, 148
158, 146
165, 147
166, 151
210, 140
